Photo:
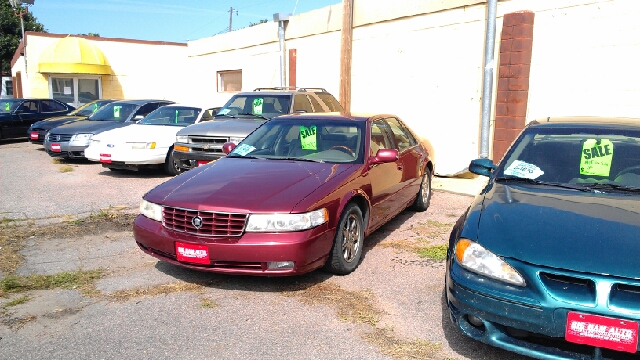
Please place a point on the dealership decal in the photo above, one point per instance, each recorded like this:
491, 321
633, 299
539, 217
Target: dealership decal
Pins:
596, 157
308, 137
524, 170
192, 253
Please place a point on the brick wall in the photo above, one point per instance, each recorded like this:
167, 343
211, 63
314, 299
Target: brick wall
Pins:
513, 79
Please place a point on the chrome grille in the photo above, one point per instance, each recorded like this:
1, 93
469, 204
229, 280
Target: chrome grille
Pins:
61, 138
209, 140
213, 223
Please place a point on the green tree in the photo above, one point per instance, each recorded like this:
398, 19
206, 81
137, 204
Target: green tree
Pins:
258, 23
11, 33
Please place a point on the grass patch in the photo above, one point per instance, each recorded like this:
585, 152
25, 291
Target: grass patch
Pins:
389, 345
58, 160
350, 306
82, 280
164, 289
66, 168
13, 234
435, 252
21, 300
208, 303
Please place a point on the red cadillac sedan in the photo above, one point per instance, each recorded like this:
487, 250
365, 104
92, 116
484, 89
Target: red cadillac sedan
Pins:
299, 193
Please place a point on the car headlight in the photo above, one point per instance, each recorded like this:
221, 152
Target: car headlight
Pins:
182, 138
286, 222
236, 140
151, 210
143, 145
482, 261
84, 138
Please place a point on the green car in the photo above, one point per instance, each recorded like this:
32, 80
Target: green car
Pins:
546, 260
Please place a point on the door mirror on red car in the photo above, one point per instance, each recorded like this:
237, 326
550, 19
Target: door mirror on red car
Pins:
228, 147
384, 156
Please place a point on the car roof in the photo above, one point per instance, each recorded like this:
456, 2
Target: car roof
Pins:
361, 117
140, 102
282, 90
587, 122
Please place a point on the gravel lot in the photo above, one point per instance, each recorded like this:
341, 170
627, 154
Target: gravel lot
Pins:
145, 309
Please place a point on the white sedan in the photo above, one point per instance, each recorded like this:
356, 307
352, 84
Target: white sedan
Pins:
147, 143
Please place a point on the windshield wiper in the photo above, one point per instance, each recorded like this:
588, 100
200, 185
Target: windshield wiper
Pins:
227, 115
242, 157
256, 115
297, 159
609, 186
538, 182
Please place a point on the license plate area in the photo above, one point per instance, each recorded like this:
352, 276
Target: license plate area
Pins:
203, 162
34, 135
105, 158
192, 253
55, 147
601, 331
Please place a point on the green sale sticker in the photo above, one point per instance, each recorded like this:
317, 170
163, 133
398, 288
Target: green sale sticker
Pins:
596, 157
308, 140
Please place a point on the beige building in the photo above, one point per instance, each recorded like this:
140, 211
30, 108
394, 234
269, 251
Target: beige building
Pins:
422, 60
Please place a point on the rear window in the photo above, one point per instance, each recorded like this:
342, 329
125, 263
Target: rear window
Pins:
330, 102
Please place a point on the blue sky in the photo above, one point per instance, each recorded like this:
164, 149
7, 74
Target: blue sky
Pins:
162, 20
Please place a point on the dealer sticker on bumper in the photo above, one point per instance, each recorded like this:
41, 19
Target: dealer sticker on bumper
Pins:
55, 147
105, 158
602, 332
198, 254
34, 135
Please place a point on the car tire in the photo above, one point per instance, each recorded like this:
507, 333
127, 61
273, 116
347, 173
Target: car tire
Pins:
423, 198
171, 167
348, 242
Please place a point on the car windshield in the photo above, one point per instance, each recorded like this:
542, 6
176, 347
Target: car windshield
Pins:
86, 109
8, 105
608, 157
114, 112
172, 115
330, 141
259, 105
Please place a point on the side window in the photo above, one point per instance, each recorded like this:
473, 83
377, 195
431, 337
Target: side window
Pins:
29, 106
401, 136
50, 106
379, 137
330, 102
146, 109
301, 103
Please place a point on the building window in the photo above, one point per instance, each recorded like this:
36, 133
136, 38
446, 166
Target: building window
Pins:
229, 80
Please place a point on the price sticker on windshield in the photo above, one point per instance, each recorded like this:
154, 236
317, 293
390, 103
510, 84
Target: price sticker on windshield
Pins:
308, 139
596, 157
7, 107
95, 107
523, 170
116, 111
243, 149
257, 105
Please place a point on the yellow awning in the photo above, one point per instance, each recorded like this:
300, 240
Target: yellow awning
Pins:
72, 55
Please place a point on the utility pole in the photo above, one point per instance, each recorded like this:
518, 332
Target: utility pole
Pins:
231, 18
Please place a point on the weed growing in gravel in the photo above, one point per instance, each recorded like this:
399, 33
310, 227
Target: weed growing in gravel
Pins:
208, 303
164, 289
66, 168
388, 344
435, 252
83, 280
58, 160
21, 300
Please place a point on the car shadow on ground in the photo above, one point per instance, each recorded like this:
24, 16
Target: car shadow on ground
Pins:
385, 230
150, 173
273, 284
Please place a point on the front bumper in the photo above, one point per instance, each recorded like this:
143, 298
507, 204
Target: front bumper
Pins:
244, 255
529, 320
190, 160
127, 156
67, 149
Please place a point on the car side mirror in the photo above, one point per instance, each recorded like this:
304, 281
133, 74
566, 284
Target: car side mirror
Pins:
482, 167
228, 147
384, 156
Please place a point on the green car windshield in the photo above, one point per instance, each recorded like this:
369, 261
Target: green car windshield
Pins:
569, 156
261, 105
8, 105
172, 115
330, 141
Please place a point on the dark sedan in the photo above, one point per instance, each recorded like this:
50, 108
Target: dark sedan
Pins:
17, 115
299, 193
70, 140
545, 261
39, 130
